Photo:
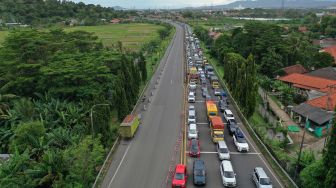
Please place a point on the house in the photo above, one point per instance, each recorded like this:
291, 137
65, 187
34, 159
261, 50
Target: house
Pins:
327, 73
319, 120
327, 102
303, 82
214, 35
298, 68
115, 21
331, 50
303, 29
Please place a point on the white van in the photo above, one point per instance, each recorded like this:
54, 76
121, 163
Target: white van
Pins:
192, 132
223, 151
227, 174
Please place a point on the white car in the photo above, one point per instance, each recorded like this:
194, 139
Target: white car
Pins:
228, 115
192, 85
191, 107
191, 116
227, 174
222, 150
191, 97
240, 141
192, 131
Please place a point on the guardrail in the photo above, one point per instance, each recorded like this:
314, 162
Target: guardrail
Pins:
256, 136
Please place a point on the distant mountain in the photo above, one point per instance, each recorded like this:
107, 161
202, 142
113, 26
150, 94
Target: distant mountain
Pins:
118, 8
277, 4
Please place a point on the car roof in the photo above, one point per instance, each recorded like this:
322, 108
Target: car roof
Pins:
180, 168
228, 111
227, 165
239, 132
222, 144
192, 125
198, 163
261, 172
192, 112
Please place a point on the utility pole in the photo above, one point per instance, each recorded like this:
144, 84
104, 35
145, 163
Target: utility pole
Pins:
301, 146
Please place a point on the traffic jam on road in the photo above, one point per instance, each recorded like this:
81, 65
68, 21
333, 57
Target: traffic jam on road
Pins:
212, 130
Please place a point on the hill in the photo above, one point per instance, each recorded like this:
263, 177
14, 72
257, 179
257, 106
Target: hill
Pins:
277, 4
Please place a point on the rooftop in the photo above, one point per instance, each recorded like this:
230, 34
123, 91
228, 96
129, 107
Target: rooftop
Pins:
327, 73
322, 102
314, 114
331, 50
298, 68
308, 82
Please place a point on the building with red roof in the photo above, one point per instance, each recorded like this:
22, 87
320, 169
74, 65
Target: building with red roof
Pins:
306, 82
331, 50
298, 68
324, 102
115, 21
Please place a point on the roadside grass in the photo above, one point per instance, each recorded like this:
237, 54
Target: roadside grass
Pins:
132, 35
3, 34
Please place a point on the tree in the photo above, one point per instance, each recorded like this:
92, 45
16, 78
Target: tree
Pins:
323, 59
312, 176
142, 67
329, 158
270, 63
26, 134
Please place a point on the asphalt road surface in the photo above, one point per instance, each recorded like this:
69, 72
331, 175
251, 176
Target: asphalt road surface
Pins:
144, 161
243, 163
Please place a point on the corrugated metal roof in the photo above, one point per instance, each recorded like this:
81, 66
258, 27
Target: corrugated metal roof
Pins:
314, 114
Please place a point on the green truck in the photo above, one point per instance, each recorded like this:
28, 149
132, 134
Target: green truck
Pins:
129, 126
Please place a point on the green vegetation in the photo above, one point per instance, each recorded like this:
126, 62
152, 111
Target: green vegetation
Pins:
50, 81
3, 34
45, 12
133, 35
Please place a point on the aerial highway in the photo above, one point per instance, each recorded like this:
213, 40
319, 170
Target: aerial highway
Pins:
147, 160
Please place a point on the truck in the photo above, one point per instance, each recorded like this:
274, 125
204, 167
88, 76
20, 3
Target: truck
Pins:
193, 74
129, 126
211, 109
214, 82
217, 129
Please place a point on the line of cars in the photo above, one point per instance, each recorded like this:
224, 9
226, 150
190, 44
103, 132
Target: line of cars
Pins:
199, 75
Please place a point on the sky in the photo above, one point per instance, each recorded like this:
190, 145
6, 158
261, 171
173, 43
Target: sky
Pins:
144, 4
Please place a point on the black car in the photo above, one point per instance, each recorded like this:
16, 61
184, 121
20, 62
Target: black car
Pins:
199, 172
232, 126
223, 105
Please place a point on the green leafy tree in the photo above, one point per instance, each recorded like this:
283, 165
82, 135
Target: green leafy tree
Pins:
312, 176
329, 158
26, 134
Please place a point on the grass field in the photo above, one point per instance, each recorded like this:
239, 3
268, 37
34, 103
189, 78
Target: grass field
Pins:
131, 35
3, 34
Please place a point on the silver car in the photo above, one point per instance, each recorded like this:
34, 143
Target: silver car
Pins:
260, 178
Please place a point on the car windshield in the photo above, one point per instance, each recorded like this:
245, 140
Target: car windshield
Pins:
194, 146
191, 95
232, 121
265, 181
191, 117
199, 173
193, 131
223, 150
241, 139
219, 135
228, 174
179, 176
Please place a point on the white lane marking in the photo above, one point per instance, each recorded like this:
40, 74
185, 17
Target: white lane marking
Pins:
171, 82
233, 153
119, 164
204, 101
202, 123
199, 101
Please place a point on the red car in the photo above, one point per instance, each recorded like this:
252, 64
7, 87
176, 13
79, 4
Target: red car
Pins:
194, 148
180, 176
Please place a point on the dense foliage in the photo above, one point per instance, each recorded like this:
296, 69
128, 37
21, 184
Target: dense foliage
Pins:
321, 26
35, 12
321, 173
50, 81
272, 48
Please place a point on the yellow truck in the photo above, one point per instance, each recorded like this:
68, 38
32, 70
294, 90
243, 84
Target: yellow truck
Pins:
211, 109
217, 128
214, 82
129, 126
